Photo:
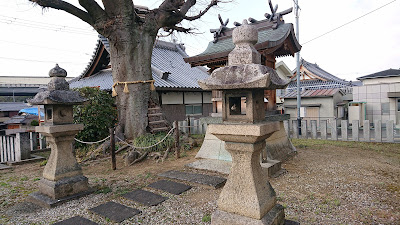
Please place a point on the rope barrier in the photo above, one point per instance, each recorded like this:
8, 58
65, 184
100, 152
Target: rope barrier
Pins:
125, 83
91, 143
132, 146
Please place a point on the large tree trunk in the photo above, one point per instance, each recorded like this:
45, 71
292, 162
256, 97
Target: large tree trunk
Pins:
131, 52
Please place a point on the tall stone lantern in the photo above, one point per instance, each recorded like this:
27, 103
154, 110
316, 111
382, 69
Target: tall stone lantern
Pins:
62, 177
247, 197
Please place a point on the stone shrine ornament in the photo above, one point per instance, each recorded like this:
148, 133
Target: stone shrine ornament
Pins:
62, 177
247, 197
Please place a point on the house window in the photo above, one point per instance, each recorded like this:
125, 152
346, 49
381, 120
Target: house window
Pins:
385, 108
194, 109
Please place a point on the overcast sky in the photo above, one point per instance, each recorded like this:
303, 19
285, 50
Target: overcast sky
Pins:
32, 40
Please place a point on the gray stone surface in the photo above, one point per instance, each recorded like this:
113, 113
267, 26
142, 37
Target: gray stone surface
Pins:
207, 180
304, 129
355, 130
22, 146
4, 167
47, 202
344, 130
275, 216
295, 129
378, 131
213, 148
115, 211
63, 187
389, 131
366, 130
271, 167
76, 220
170, 186
323, 125
313, 129
146, 198
334, 135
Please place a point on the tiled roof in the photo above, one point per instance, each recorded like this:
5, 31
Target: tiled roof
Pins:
382, 74
316, 84
167, 57
272, 36
315, 69
13, 106
314, 93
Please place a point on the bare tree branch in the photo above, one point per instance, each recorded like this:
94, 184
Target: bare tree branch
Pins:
67, 7
94, 10
191, 18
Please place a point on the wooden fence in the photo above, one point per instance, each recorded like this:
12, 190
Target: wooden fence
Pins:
367, 132
18, 146
192, 126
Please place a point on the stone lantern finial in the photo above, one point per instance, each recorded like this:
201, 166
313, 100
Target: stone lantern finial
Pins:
57, 72
244, 37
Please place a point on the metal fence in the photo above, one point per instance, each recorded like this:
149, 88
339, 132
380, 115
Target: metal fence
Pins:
333, 130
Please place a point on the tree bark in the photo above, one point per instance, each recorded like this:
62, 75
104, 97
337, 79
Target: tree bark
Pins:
130, 59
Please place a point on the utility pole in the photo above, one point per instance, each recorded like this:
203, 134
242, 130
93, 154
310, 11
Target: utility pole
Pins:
298, 67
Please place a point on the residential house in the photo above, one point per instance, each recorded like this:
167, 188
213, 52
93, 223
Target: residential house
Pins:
323, 95
381, 94
175, 81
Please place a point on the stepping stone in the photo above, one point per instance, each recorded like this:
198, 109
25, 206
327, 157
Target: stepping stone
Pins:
145, 197
291, 222
115, 211
4, 167
206, 180
77, 220
170, 186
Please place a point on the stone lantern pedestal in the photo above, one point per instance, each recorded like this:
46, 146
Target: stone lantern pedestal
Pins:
62, 177
247, 197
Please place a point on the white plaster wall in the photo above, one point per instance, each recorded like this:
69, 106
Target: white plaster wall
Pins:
192, 97
207, 97
387, 80
170, 98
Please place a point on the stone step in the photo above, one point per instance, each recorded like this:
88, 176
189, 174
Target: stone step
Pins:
195, 178
155, 108
76, 220
157, 122
146, 198
159, 129
114, 211
170, 186
155, 114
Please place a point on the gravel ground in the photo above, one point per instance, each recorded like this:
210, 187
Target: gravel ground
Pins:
325, 183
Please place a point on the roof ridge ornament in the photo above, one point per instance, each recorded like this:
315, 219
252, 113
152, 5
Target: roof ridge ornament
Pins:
221, 31
275, 17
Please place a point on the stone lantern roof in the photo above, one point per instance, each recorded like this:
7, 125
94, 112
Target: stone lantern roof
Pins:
58, 91
244, 70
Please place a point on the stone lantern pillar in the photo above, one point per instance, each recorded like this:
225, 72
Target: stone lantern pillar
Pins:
247, 197
62, 177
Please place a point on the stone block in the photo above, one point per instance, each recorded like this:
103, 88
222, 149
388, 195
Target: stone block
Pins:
276, 216
378, 130
199, 179
295, 129
115, 211
344, 130
170, 186
366, 130
334, 135
63, 187
22, 146
323, 125
355, 130
313, 129
213, 148
76, 220
146, 198
304, 129
389, 131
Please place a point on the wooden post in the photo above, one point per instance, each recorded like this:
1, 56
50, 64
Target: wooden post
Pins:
177, 147
188, 122
112, 141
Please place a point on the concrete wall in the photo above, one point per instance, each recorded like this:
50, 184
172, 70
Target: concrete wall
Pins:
387, 80
376, 98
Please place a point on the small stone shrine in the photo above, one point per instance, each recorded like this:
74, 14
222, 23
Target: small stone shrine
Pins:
247, 197
62, 177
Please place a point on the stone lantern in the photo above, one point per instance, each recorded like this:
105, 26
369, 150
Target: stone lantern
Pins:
62, 177
247, 197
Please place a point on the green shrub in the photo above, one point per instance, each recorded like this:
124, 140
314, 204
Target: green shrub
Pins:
97, 115
34, 123
150, 139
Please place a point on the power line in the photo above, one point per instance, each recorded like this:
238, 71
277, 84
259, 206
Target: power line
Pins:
349, 22
40, 61
44, 47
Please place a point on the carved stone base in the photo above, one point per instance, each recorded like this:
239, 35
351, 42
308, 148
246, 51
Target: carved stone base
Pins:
275, 216
64, 187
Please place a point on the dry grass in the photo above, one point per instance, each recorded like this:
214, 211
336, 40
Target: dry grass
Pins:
327, 182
